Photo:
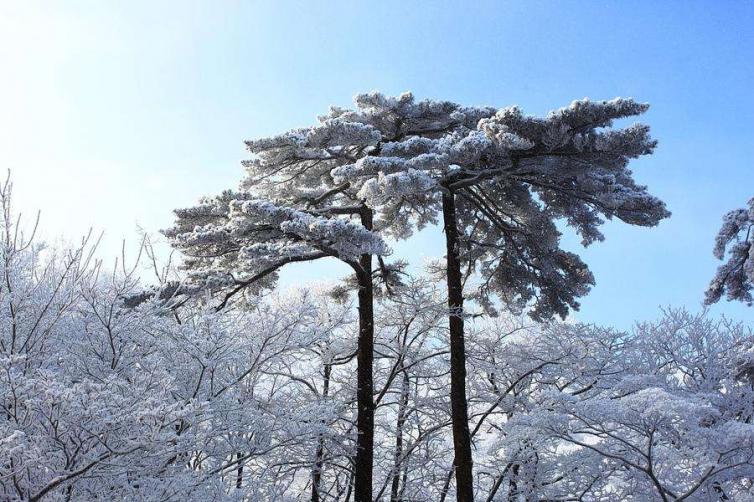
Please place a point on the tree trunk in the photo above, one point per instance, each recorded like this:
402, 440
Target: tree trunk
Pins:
320, 454
513, 483
365, 390
458, 404
239, 470
398, 454
448, 479
350, 488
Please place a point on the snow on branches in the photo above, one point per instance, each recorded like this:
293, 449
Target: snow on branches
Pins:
514, 177
735, 277
345, 238
232, 239
105, 398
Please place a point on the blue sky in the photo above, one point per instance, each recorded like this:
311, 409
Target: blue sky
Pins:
114, 113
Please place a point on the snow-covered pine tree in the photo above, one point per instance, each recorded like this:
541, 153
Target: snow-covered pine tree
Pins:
295, 167
301, 167
234, 243
237, 241
501, 180
295, 170
735, 277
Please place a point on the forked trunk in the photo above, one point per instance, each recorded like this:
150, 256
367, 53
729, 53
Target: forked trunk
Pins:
458, 404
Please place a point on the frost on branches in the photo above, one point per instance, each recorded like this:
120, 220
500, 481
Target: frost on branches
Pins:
313, 192
659, 414
735, 277
105, 400
116, 389
514, 175
234, 241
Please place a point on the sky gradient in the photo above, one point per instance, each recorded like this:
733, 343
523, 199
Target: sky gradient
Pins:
114, 113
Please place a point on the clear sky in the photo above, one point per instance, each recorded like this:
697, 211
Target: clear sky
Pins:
113, 113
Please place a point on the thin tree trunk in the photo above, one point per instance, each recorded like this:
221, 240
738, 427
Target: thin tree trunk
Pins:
513, 483
365, 390
495, 488
458, 404
350, 488
239, 470
404, 482
446, 485
397, 456
320, 454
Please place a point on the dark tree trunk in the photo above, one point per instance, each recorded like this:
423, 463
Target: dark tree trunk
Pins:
495, 488
239, 470
404, 482
350, 488
320, 454
365, 390
446, 485
398, 455
458, 404
513, 484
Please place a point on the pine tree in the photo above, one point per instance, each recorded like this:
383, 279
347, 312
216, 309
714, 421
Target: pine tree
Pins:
501, 180
289, 210
735, 277
248, 241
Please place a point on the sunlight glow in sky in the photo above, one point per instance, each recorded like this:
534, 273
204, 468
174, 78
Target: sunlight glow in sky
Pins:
114, 113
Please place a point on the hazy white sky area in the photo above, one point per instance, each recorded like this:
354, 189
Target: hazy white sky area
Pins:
114, 113
92, 131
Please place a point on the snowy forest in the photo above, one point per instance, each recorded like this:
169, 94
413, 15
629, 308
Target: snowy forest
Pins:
467, 380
